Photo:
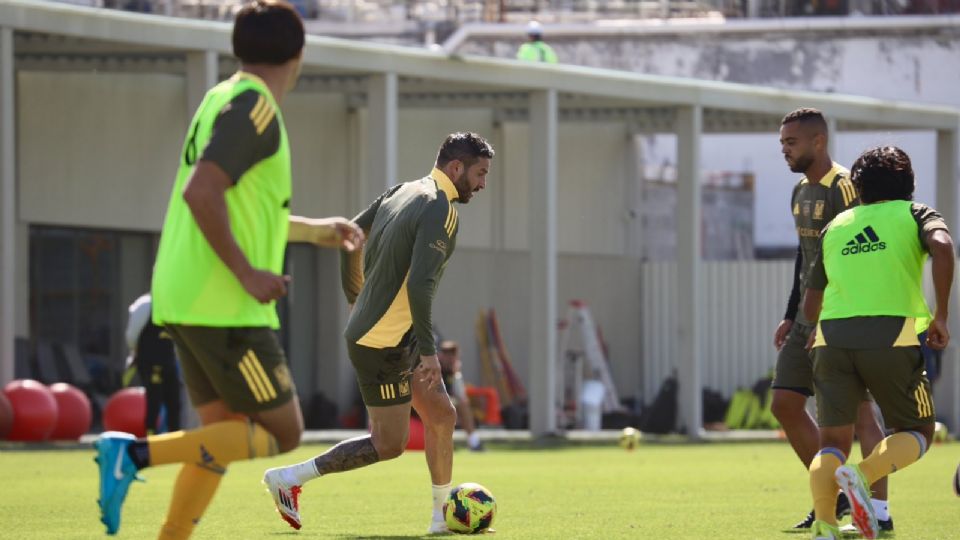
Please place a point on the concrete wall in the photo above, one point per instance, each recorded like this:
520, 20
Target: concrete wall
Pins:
98, 150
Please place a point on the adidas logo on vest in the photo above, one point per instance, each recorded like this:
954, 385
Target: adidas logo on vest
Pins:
865, 242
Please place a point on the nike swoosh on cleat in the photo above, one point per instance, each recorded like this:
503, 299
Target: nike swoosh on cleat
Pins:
117, 470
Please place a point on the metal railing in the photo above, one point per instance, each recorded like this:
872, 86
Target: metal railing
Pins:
457, 12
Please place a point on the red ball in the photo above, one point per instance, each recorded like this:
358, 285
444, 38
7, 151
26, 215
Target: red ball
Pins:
34, 410
126, 411
74, 411
6, 416
415, 440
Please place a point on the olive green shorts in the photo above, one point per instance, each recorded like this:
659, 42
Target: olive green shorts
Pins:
794, 369
384, 374
244, 367
894, 376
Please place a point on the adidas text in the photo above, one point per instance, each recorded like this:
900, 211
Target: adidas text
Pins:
864, 248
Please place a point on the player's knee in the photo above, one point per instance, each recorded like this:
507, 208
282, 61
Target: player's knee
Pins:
391, 448
288, 440
782, 409
867, 424
442, 417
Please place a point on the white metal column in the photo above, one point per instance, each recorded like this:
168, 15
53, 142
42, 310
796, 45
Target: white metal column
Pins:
202, 74
947, 390
543, 262
947, 153
382, 132
833, 137
8, 205
689, 128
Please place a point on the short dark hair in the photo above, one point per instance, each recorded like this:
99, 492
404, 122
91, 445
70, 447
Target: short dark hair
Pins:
807, 115
267, 32
883, 173
464, 146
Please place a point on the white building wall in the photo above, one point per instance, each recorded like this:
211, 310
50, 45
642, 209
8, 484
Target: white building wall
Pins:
317, 125
592, 192
98, 150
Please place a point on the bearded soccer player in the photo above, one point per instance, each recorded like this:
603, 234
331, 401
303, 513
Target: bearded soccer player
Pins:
412, 231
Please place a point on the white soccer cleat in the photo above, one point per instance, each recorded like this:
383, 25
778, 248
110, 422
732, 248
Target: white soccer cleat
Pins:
438, 527
285, 496
854, 484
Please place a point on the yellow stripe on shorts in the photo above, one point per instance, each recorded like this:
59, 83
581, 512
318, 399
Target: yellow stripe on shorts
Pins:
924, 406
388, 391
248, 376
261, 374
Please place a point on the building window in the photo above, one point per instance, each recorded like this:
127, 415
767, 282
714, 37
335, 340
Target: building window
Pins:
81, 282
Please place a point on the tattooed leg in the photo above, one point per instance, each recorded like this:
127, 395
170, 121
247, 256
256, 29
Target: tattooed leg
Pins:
348, 455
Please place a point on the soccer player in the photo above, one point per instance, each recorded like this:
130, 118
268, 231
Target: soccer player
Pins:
412, 232
450, 367
866, 289
824, 191
216, 278
151, 351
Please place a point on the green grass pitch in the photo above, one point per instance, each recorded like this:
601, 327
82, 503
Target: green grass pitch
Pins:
733, 490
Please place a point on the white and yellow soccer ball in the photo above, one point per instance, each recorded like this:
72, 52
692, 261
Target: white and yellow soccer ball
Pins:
629, 438
940, 433
469, 509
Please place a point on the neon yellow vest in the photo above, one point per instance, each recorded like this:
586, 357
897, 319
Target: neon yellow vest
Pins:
537, 51
874, 263
191, 285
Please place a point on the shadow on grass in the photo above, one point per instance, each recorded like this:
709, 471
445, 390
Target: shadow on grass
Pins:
843, 533
300, 534
367, 537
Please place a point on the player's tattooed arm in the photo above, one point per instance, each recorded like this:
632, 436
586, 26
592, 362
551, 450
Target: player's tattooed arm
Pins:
348, 455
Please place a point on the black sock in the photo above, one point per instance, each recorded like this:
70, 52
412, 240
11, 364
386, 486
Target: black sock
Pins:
139, 452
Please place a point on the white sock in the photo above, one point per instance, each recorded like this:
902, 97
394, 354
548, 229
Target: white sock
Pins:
881, 509
301, 473
439, 497
473, 439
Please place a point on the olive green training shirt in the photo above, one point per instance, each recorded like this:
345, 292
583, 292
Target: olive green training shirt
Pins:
411, 233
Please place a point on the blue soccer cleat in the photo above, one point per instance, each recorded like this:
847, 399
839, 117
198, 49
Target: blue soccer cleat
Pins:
117, 470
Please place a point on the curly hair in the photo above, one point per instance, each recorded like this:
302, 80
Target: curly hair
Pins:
883, 173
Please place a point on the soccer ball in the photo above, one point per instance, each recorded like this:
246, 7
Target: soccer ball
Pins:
469, 509
629, 438
940, 433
